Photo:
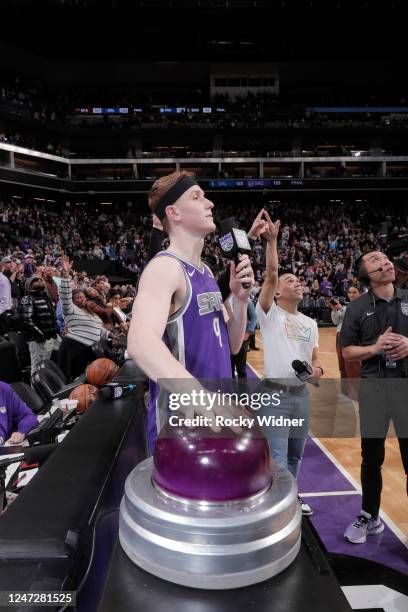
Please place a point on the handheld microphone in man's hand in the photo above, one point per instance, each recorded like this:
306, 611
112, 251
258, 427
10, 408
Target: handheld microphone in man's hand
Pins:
114, 390
303, 371
233, 242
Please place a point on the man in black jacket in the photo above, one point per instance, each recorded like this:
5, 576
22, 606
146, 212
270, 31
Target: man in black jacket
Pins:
39, 322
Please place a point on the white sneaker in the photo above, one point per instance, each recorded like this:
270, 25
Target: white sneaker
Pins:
363, 526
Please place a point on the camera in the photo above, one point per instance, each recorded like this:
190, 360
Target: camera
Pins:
395, 247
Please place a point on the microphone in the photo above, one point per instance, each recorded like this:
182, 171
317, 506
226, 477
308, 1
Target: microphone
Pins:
115, 390
39, 454
233, 242
17, 458
303, 371
377, 270
35, 454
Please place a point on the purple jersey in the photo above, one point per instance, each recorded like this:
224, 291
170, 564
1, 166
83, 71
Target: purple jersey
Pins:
196, 335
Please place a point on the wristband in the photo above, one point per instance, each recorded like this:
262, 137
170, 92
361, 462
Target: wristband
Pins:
320, 368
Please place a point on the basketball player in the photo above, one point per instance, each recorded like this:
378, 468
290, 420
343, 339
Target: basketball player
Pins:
179, 327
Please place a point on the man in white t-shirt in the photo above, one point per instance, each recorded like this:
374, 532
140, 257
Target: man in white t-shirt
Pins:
287, 335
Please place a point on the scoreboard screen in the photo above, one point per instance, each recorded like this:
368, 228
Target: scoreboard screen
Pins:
255, 183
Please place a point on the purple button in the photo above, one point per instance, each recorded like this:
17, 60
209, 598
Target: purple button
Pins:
202, 465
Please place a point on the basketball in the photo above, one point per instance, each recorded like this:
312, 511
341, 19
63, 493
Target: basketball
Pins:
101, 371
85, 394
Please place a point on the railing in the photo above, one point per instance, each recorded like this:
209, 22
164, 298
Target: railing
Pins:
19, 164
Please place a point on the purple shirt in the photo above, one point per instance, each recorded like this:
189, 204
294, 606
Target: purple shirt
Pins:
325, 287
15, 415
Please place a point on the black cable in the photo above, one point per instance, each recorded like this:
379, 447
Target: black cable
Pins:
88, 569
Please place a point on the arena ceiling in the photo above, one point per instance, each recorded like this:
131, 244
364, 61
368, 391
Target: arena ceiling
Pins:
204, 30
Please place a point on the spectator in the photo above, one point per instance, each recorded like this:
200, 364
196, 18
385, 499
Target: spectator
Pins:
15, 273
119, 317
5, 296
83, 327
29, 266
51, 285
16, 418
337, 315
238, 361
326, 288
97, 305
38, 321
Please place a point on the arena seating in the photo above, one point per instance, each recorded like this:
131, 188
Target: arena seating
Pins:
49, 385
10, 369
29, 396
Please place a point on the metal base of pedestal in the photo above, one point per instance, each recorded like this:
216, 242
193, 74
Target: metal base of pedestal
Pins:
210, 545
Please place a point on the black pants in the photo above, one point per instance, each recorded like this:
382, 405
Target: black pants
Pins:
73, 357
381, 401
252, 340
238, 361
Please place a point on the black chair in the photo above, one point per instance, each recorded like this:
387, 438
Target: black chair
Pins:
99, 349
23, 353
51, 365
54, 367
10, 370
29, 396
48, 384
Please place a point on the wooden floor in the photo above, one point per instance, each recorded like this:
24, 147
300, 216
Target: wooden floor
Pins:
347, 450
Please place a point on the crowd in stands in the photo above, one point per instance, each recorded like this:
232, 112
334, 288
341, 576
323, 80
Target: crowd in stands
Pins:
53, 106
79, 231
317, 243
64, 310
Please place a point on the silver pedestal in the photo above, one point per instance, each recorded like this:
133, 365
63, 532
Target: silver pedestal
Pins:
210, 545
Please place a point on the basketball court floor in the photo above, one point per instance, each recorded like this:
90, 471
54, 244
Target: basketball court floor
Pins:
330, 474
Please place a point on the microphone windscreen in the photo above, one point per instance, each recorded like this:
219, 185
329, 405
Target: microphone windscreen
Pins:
105, 392
298, 366
39, 454
226, 225
226, 238
232, 240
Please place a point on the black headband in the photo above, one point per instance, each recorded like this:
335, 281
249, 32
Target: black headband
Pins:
173, 194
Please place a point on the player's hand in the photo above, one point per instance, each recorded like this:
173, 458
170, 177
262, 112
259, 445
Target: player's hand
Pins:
258, 226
